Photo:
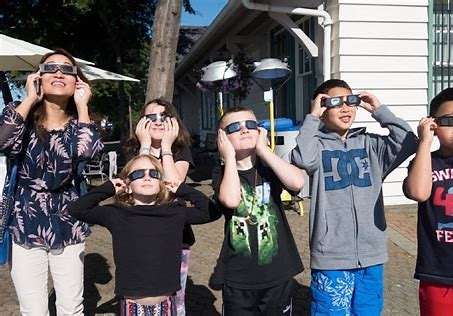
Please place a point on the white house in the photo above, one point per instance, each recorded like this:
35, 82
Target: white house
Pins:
398, 49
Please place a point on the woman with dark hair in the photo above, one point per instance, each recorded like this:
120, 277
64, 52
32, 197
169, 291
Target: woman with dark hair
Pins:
47, 136
161, 133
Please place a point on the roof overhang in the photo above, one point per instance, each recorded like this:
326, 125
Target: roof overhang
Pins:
224, 20
229, 17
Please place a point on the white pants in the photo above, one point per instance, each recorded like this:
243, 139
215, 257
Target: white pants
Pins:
29, 271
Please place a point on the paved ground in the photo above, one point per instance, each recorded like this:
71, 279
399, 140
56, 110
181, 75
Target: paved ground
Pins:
400, 287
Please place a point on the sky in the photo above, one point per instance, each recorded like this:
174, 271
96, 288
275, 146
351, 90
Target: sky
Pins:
206, 11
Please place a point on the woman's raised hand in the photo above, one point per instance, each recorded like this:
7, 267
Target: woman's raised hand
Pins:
82, 94
32, 86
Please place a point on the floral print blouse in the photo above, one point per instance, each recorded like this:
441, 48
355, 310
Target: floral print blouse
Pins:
44, 184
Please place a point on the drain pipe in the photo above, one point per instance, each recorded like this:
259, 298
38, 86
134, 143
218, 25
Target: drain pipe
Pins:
327, 23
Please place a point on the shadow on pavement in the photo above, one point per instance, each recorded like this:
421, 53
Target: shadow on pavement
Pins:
112, 306
96, 270
199, 300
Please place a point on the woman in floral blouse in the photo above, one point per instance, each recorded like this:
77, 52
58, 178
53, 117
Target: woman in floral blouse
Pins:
48, 135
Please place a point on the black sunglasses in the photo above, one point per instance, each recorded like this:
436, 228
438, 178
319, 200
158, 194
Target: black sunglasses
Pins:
236, 126
351, 100
140, 173
54, 67
444, 120
154, 117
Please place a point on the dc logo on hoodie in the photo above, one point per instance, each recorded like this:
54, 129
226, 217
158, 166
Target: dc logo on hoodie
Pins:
346, 168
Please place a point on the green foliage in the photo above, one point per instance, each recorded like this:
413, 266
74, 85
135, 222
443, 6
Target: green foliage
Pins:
115, 35
244, 75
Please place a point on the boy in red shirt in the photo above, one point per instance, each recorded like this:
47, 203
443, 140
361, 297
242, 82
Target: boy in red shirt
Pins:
430, 183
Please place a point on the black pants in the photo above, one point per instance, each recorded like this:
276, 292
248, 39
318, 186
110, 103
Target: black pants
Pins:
273, 301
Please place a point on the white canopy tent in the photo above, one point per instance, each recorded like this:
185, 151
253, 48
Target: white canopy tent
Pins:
16, 54
93, 73
19, 55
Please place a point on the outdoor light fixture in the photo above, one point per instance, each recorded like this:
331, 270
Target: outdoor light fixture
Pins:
215, 74
271, 70
219, 70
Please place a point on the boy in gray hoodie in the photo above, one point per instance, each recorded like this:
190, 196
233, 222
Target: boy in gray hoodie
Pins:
348, 243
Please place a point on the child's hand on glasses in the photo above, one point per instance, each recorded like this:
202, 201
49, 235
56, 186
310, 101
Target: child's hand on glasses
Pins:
425, 130
226, 149
142, 131
33, 83
369, 101
262, 143
316, 108
172, 186
171, 131
119, 185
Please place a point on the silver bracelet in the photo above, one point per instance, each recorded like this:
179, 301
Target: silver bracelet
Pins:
144, 150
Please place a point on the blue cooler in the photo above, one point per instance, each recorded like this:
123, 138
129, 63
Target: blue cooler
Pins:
281, 124
285, 140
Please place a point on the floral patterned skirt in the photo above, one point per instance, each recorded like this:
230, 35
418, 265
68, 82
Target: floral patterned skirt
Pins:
131, 308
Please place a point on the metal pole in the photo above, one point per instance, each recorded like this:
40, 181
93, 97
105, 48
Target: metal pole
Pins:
6, 91
272, 119
220, 104
131, 134
449, 35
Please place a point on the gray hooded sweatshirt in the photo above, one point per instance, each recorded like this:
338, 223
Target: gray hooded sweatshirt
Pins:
347, 221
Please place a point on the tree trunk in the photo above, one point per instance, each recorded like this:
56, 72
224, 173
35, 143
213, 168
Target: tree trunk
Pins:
162, 57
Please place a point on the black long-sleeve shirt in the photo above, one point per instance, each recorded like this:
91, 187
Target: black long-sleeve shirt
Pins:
147, 239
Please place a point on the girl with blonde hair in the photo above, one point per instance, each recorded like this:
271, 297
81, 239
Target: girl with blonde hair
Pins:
146, 222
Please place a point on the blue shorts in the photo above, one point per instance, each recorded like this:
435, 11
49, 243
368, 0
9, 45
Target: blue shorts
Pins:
348, 292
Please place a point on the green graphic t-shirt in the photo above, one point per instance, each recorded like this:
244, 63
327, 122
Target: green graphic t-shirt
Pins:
258, 249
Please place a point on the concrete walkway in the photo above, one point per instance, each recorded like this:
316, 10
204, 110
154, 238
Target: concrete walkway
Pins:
401, 296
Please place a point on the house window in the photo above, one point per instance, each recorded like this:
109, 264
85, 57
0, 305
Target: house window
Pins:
305, 67
305, 77
209, 113
305, 60
283, 46
229, 101
442, 45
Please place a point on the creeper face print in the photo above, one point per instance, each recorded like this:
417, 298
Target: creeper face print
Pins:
255, 212
267, 246
240, 235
